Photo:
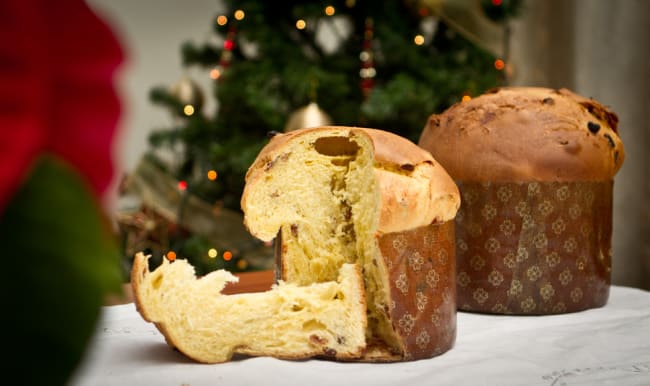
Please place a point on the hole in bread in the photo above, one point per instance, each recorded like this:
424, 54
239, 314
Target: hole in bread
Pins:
339, 296
313, 325
341, 161
157, 281
297, 307
336, 146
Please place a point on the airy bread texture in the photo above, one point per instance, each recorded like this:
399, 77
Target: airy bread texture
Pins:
526, 134
328, 194
289, 321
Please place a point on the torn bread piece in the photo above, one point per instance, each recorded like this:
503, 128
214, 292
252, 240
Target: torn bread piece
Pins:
289, 321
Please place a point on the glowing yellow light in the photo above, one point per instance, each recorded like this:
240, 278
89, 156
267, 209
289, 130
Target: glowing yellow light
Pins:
301, 24
171, 255
466, 97
239, 14
418, 39
212, 175
227, 255
367, 72
212, 253
222, 20
215, 73
329, 10
242, 264
499, 64
188, 110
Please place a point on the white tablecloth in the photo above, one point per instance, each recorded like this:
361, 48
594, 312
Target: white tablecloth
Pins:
609, 345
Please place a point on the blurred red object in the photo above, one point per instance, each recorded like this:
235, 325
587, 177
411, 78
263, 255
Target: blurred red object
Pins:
57, 62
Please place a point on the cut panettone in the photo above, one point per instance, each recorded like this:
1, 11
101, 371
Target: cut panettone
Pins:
341, 195
288, 321
365, 252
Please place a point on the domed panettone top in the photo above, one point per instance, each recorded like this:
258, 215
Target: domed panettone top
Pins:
526, 134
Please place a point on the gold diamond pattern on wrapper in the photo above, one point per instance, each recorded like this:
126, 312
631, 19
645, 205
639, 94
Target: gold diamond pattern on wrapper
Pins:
534, 248
423, 277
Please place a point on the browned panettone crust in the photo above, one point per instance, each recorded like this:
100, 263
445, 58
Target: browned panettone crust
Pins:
405, 204
526, 134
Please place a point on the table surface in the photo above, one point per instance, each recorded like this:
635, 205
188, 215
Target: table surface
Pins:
609, 345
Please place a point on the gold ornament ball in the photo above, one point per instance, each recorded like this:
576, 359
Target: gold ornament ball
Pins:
307, 116
187, 92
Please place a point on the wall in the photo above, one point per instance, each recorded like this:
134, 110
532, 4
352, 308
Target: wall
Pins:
152, 32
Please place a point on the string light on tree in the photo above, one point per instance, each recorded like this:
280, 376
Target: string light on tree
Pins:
212, 253
330, 10
171, 255
367, 71
182, 185
215, 73
212, 175
301, 24
228, 44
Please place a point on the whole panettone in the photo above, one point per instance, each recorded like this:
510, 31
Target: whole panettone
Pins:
336, 195
535, 169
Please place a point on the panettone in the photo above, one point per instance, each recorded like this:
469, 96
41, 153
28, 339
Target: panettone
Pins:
364, 232
535, 169
336, 195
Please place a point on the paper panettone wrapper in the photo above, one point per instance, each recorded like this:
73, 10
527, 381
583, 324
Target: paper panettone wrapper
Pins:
421, 275
421, 267
533, 248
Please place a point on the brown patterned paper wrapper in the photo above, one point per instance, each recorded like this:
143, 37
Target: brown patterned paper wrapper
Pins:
422, 272
534, 248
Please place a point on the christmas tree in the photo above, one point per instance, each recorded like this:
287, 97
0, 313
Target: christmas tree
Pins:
284, 65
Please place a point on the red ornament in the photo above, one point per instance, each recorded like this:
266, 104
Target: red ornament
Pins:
226, 54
